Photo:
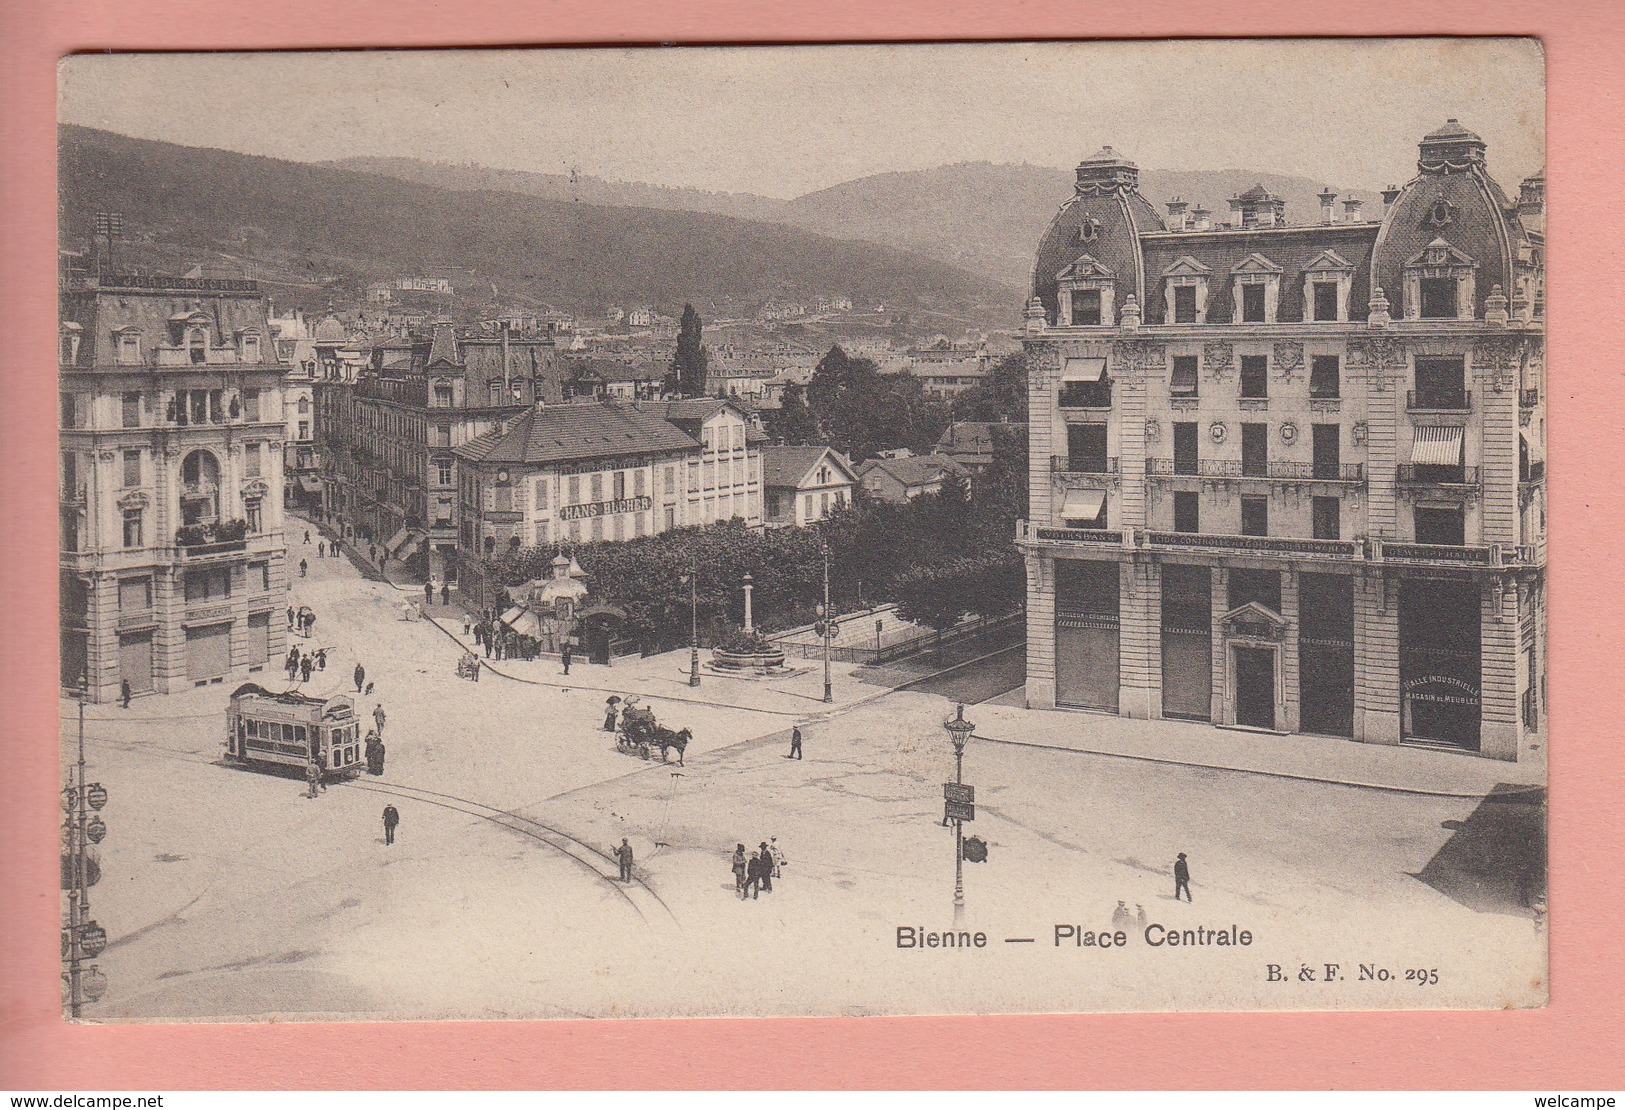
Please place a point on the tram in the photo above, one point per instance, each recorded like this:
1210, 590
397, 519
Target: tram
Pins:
268, 729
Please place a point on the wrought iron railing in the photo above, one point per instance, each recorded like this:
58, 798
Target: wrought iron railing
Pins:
1265, 544
1276, 470
1421, 474
1073, 464
1438, 401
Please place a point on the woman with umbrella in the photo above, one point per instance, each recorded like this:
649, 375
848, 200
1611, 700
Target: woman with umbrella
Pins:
611, 708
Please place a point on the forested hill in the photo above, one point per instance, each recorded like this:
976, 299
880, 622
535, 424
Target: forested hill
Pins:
321, 220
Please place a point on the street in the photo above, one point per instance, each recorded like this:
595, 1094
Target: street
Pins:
227, 893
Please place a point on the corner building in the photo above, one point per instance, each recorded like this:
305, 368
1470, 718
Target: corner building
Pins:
172, 429
1290, 477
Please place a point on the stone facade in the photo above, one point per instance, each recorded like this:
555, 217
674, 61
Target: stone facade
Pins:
1269, 492
173, 424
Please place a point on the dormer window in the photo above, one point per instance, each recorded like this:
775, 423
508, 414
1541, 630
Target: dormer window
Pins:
1326, 284
127, 351
1256, 290
1439, 284
69, 351
1185, 286
1087, 292
251, 347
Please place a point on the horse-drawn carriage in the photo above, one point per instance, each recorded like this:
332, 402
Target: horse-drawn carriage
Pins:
639, 734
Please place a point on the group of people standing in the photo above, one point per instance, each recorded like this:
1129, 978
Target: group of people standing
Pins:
325, 548
500, 641
302, 621
301, 665
755, 873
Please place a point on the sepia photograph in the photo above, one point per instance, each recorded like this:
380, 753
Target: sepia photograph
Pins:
799, 531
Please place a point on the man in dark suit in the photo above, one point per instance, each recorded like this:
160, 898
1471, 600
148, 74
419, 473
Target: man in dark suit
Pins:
1182, 878
391, 819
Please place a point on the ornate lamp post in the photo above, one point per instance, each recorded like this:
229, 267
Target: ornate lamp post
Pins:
748, 587
694, 623
959, 731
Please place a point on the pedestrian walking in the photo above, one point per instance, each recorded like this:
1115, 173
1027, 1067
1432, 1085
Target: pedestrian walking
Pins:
124, 692
445, 593
468, 626
428, 594
739, 869
778, 857
1139, 919
304, 567
360, 676
391, 819
307, 537
305, 665
611, 707
290, 618
321, 659
624, 855
1182, 878
565, 654
372, 550
753, 877
381, 753
379, 717
795, 742
375, 754
1122, 920
767, 868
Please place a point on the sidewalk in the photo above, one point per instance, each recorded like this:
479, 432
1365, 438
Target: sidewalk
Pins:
1305, 757
665, 677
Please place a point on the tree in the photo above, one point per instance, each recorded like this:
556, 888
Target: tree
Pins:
792, 422
1002, 395
686, 378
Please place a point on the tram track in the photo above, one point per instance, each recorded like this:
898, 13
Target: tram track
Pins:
648, 905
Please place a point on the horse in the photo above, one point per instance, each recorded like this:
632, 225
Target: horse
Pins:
665, 738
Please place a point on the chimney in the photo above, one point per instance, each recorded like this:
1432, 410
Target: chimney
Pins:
1176, 214
1389, 195
1351, 209
1201, 218
1235, 211
1532, 195
1327, 200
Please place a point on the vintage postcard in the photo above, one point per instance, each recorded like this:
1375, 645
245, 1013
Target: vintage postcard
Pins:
830, 530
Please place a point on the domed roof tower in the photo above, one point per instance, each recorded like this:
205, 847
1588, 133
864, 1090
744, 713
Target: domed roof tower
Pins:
1103, 220
1453, 201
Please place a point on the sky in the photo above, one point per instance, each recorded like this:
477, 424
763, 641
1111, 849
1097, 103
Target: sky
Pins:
783, 121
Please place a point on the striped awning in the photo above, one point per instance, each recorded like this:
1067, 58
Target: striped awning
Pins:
1437, 446
396, 540
1083, 370
1083, 504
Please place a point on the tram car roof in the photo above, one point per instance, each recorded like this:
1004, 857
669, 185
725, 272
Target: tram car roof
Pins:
331, 705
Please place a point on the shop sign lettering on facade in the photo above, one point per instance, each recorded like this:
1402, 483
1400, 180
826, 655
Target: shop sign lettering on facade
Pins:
607, 508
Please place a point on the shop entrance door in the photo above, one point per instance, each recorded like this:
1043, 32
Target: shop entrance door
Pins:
1255, 687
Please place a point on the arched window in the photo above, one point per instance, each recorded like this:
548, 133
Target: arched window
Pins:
200, 488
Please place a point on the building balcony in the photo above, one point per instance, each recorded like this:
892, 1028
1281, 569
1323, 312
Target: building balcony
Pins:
1528, 398
1438, 401
204, 541
1232, 470
1415, 474
1091, 466
74, 496
1085, 395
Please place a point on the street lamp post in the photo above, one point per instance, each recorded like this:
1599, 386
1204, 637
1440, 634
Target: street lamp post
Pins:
748, 581
694, 623
829, 626
959, 731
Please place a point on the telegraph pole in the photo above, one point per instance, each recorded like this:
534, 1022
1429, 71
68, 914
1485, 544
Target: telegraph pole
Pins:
694, 622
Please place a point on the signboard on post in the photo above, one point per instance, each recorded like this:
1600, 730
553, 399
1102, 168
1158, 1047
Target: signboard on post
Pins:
958, 811
959, 792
